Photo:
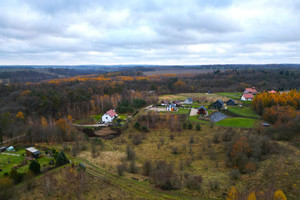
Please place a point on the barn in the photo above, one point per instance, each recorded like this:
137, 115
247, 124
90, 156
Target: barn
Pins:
32, 152
218, 104
231, 102
202, 110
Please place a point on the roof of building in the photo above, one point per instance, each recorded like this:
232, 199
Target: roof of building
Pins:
32, 150
248, 96
251, 90
272, 91
111, 113
172, 105
189, 99
231, 100
202, 108
220, 101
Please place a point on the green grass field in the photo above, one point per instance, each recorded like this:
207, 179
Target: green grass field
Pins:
195, 119
232, 95
238, 122
243, 111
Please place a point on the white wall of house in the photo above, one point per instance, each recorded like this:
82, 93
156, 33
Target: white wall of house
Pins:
244, 99
106, 118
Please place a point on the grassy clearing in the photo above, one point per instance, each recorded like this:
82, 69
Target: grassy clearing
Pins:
180, 111
122, 116
243, 111
231, 95
238, 122
195, 119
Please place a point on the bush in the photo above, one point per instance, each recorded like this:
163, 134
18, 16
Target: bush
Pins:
194, 182
15, 175
214, 185
164, 177
198, 127
130, 153
137, 125
147, 168
174, 150
235, 174
137, 139
216, 138
132, 167
35, 167
184, 125
190, 126
144, 129
61, 159
120, 169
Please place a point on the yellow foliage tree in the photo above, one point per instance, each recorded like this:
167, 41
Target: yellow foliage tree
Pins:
232, 195
251, 196
44, 122
279, 195
20, 115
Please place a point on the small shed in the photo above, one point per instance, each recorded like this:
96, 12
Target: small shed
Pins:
164, 103
231, 102
218, 104
188, 101
177, 103
2, 149
11, 148
202, 110
32, 152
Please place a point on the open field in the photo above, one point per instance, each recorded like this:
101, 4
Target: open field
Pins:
243, 111
238, 122
178, 71
231, 95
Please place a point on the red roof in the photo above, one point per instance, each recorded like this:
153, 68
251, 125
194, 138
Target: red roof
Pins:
251, 90
248, 96
111, 113
273, 92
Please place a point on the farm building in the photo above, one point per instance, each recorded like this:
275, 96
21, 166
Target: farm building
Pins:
218, 104
109, 116
188, 101
177, 103
32, 152
250, 90
2, 149
202, 110
247, 97
164, 103
171, 107
231, 102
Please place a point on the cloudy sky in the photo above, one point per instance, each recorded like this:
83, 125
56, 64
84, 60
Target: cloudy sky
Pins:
149, 32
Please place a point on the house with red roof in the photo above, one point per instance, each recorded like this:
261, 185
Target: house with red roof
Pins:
247, 97
109, 116
250, 91
272, 92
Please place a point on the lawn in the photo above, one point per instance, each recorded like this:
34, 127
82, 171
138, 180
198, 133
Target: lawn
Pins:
232, 95
195, 119
243, 111
122, 116
180, 111
238, 122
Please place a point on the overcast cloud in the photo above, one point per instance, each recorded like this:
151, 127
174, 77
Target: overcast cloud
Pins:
149, 32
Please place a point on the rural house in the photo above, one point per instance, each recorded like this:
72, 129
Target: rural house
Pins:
231, 102
171, 107
164, 103
2, 149
109, 116
177, 103
218, 104
202, 111
247, 97
250, 91
32, 152
188, 101
272, 92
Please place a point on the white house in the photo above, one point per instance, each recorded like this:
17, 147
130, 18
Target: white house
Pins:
188, 101
247, 97
109, 116
171, 107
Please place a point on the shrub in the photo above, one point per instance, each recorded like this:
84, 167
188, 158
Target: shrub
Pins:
214, 185
15, 175
35, 167
190, 126
147, 168
120, 169
191, 139
61, 159
137, 125
198, 127
137, 139
174, 150
145, 129
235, 174
164, 177
216, 138
172, 136
130, 153
194, 182
132, 167
184, 125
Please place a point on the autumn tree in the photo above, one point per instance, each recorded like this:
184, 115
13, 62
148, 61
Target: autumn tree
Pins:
279, 195
232, 195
